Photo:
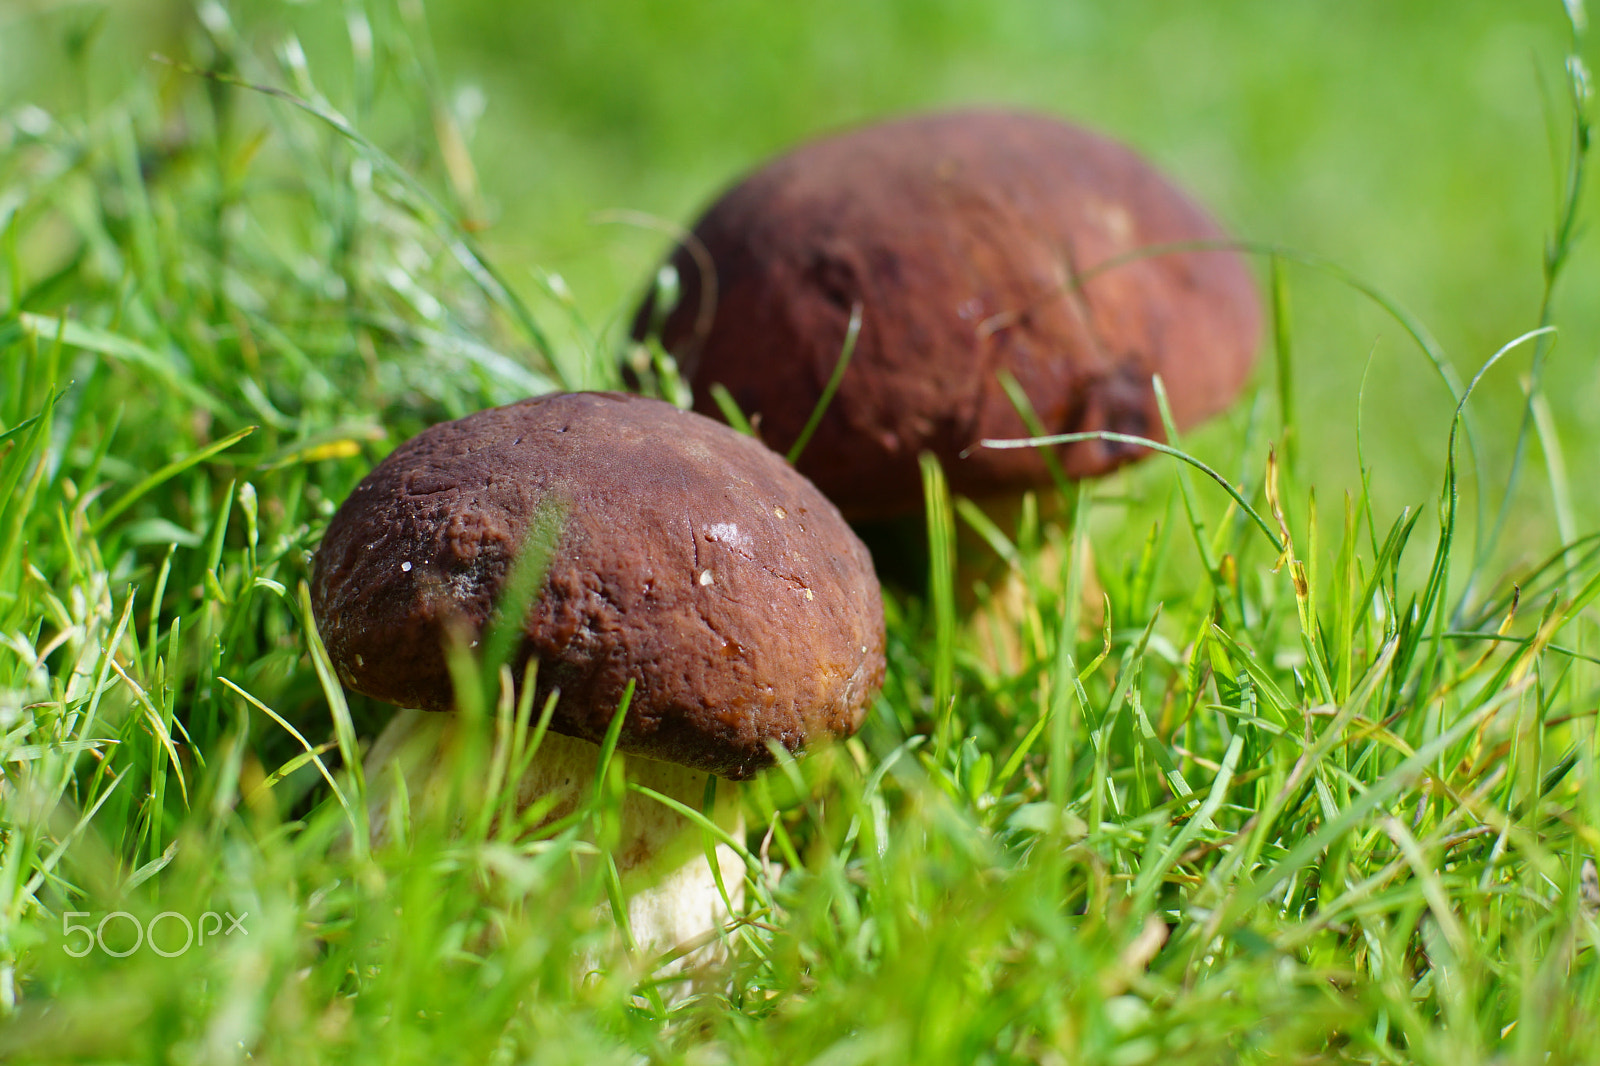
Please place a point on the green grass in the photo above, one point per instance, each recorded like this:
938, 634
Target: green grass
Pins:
1174, 774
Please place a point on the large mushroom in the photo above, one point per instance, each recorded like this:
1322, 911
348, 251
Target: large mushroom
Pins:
976, 243
690, 561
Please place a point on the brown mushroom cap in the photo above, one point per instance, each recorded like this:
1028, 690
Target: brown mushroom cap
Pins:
691, 559
961, 235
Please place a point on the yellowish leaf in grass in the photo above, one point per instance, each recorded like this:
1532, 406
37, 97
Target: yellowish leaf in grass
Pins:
334, 449
339, 449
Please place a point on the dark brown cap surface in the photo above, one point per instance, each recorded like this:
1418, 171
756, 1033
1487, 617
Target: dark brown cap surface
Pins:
972, 241
691, 559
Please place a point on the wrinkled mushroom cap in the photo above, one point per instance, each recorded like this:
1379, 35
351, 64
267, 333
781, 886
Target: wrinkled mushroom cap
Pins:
690, 559
972, 241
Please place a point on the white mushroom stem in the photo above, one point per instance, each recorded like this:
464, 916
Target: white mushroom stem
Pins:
673, 899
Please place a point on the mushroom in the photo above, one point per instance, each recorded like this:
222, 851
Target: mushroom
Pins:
690, 561
977, 243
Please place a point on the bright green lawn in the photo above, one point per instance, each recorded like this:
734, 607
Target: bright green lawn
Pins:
1319, 787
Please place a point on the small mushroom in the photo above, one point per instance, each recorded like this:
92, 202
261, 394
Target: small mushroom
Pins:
977, 243
690, 560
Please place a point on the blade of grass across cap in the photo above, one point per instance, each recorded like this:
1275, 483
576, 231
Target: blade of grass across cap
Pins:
471, 690
505, 629
851, 333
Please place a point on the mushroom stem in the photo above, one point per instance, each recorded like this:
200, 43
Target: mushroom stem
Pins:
673, 898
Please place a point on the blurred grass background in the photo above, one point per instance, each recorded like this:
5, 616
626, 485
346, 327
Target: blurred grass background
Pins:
1414, 143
